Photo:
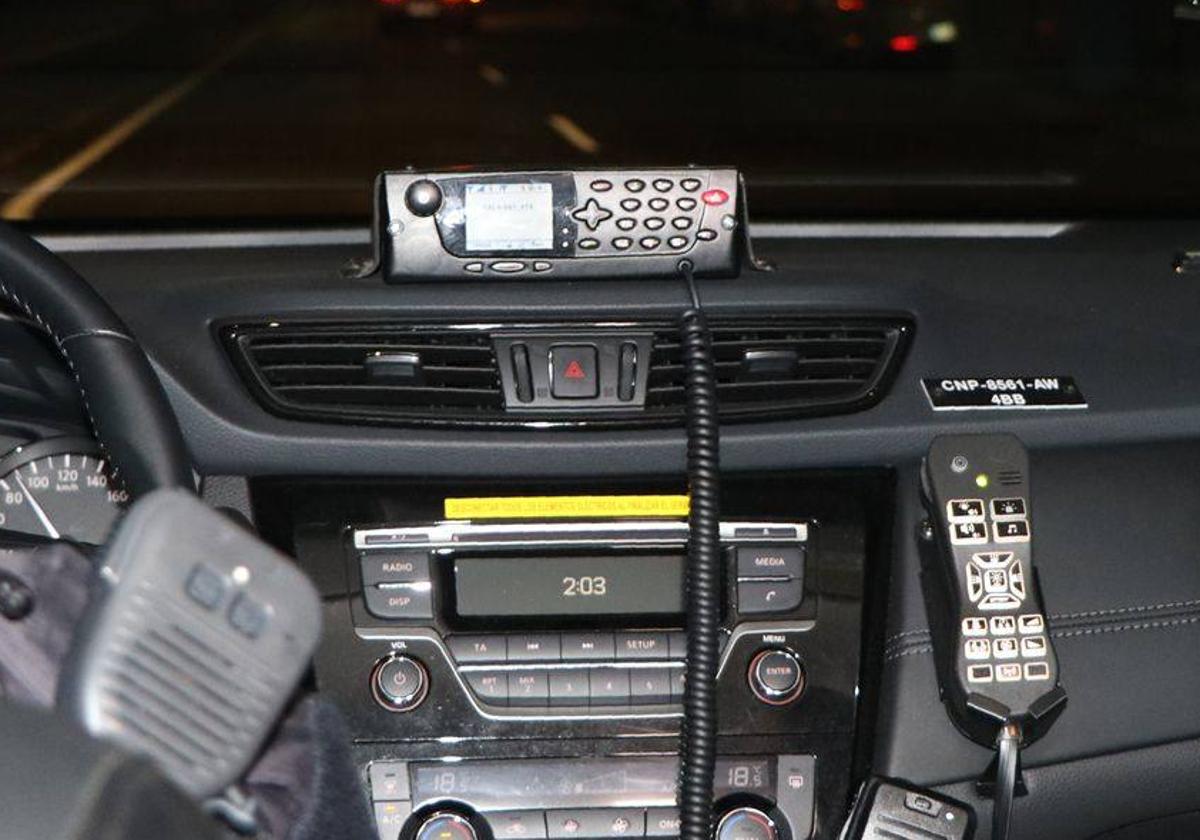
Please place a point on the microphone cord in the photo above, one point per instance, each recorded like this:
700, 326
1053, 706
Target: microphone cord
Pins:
698, 734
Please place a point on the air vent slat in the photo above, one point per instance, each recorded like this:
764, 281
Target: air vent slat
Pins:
767, 367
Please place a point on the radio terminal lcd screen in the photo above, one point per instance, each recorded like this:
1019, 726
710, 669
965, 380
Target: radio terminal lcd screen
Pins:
614, 584
508, 216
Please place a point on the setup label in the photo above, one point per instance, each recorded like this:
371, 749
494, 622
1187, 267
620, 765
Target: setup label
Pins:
1013, 393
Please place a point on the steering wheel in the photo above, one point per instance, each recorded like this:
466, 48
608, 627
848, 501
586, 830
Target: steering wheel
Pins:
121, 394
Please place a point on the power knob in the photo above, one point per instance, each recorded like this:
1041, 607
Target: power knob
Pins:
446, 825
776, 676
747, 824
399, 683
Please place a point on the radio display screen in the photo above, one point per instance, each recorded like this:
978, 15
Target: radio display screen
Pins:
615, 584
509, 217
645, 781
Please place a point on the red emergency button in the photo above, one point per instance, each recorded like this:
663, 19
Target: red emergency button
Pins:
714, 197
574, 371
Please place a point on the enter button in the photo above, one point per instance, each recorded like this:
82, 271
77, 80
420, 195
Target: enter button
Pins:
757, 561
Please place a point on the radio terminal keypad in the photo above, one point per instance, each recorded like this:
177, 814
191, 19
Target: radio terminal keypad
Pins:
605, 211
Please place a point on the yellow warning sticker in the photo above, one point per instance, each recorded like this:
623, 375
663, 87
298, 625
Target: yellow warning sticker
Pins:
566, 507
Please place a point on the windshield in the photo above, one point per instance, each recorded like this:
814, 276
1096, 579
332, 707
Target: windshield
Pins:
223, 110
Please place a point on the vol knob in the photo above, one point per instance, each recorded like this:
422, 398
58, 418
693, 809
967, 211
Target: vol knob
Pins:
399, 683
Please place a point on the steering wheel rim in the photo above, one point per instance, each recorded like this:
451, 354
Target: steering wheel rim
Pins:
121, 395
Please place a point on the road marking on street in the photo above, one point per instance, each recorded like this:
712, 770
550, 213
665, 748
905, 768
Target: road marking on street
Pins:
573, 134
493, 75
24, 205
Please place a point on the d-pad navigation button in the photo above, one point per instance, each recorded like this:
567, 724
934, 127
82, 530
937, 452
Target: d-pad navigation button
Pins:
592, 214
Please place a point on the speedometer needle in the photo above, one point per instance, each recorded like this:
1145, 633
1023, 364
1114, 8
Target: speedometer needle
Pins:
41, 514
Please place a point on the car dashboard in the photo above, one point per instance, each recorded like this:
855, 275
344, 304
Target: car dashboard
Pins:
375, 431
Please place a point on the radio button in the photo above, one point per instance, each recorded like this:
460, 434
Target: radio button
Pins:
763, 596
527, 825
528, 688
658, 204
490, 687
541, 648
394, 567
508, 266
677, 645
622, 243
587, 647
677, 242
663, 184
650, 686
642, 646
686, 204
609, 687
706, 235
690, 184
601, 185
649, 243
757, 561
569, 687
626, 223
630, 204
472, 650
399, 601
635, 185
654, 223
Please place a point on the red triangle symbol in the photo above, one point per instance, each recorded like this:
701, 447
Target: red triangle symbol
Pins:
574, 371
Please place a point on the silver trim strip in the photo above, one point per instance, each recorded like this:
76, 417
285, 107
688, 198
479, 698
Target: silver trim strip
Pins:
467, 534
67, 243
911, 230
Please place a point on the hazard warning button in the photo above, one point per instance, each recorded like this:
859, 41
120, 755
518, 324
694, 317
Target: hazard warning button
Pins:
573, 372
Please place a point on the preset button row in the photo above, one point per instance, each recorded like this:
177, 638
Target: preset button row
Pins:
577, 687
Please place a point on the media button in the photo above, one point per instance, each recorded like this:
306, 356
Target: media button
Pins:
569, 687
642, 646
663, 184
587, 647
630, 204
508, 266
528, 688
658, 204
601, 185
626, 223
690, 184
635, 185
490, 687
540, 648
609, 686
622, 243
706, 235
654, 223
757, 561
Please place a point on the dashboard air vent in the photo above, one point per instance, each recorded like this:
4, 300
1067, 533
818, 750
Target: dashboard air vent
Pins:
424, 374
438, 374
784, 367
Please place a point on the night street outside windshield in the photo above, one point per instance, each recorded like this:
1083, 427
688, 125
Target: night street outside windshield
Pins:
213, 111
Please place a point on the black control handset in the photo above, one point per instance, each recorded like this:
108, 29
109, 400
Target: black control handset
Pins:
544, 225
996, 663
888, 809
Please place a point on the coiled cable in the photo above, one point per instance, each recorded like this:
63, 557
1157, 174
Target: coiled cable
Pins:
698, 735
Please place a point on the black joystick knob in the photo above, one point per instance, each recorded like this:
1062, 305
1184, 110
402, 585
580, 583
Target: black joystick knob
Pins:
423, 197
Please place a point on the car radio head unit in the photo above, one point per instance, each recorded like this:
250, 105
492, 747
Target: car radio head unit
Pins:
549, 224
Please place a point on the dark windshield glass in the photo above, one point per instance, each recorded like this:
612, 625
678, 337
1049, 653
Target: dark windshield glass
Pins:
222, 110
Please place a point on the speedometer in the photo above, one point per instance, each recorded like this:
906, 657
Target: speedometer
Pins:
59, 489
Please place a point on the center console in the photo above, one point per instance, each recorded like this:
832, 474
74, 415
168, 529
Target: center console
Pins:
523, 679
